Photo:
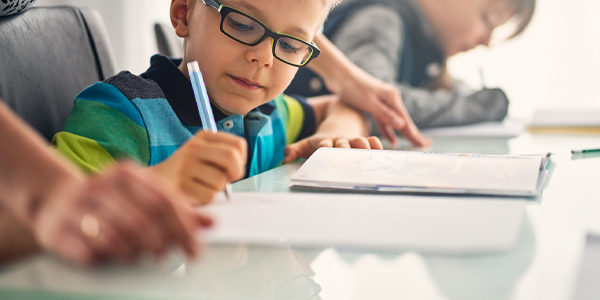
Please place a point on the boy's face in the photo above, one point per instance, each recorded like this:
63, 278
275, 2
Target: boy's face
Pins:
461, 25
238, 77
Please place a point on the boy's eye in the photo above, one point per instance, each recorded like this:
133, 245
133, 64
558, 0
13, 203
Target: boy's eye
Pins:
488, 20
240, 26
287, 46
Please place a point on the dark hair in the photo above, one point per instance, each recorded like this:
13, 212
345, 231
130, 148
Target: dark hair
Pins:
524, 10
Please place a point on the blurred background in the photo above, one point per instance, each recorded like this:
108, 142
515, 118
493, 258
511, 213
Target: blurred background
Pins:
555, 63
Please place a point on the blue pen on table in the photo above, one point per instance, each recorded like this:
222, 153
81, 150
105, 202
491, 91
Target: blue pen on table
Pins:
204, 108
584, 151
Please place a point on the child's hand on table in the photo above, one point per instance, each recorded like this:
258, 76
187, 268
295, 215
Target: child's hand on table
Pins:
204, 164
304, 148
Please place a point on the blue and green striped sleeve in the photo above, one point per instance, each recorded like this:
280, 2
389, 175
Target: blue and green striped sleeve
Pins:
104, 126
298, 117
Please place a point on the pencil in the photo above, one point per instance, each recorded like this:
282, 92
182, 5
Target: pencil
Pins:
584, 151
204, 107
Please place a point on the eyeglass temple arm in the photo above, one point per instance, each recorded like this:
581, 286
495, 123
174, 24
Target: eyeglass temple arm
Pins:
212, 3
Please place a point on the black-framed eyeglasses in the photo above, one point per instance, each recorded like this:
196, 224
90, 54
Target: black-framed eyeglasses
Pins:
250, 31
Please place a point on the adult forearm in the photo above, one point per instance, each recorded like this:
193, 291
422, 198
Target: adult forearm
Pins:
29, 169
17, 239
342, 120
332, 65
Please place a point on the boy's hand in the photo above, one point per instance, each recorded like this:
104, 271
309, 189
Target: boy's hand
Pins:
117, 215
204, 164
307, 146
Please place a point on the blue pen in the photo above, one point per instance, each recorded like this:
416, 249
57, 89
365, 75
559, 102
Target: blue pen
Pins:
204, 108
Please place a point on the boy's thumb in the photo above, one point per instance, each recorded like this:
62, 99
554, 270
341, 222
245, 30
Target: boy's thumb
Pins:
290, 153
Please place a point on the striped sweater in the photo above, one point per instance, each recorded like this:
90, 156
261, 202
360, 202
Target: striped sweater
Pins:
148, 117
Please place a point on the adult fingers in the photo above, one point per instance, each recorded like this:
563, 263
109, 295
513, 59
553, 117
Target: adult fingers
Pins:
412, 133
72, 247
55, 233
157, 206
386, 107
387, 132
204, 221
406, 127
102, 239
83, 215
138, 231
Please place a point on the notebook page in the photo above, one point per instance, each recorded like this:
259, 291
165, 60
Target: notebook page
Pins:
420, 169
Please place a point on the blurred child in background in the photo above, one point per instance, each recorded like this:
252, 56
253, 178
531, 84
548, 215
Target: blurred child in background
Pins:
408, 42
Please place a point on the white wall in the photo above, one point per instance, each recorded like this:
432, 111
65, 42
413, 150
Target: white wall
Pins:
555, 63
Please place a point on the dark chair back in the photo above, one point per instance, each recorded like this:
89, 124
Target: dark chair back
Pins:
48, 56
168, 43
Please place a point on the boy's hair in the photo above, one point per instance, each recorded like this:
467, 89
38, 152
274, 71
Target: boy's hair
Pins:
524, 10
329, 3
333, 3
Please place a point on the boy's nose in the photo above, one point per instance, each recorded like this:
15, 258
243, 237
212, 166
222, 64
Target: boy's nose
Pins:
261, 53
485, 38
485, 41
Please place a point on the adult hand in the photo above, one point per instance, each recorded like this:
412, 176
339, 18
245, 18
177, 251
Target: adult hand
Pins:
117, 215
205, 164
383, 101
364, 92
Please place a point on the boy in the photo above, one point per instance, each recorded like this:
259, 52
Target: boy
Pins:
246, 66
407, 42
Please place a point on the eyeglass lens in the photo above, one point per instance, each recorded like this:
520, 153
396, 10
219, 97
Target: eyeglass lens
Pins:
249, 31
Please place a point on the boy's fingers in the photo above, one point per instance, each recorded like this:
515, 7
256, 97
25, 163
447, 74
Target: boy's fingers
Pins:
326, 142
360, 143
226, 138
209, 175
297, 150
225, 158
200, 194
342, 143
375, 143
290, 153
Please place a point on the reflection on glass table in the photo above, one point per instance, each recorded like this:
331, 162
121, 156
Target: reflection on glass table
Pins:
223, 272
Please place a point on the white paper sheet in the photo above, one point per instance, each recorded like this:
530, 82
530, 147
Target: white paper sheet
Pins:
506, 129
413, 171
452, 225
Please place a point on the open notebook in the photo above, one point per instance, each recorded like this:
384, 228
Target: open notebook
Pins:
422, 172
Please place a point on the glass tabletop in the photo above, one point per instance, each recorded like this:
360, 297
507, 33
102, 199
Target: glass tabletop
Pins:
543, 264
